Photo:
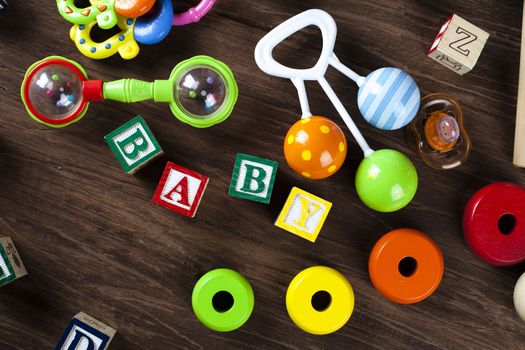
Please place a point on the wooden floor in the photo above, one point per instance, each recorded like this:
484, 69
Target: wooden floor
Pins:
93, 241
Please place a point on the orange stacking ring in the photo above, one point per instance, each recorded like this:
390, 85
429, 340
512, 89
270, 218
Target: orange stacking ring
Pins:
406, 266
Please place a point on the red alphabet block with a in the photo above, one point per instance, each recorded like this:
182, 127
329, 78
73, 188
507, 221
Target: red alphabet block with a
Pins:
180, 189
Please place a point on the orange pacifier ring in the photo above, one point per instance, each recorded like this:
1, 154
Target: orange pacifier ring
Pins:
406, 266
133, 8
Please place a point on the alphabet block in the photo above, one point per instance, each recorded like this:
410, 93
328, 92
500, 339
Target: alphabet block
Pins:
253, 178
86, 333
458, 45
134, 145
303, 214
180, 189
11, 266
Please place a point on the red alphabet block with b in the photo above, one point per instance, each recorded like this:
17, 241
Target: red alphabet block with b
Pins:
180, 189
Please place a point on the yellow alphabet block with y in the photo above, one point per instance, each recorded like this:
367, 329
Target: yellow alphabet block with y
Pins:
303, 214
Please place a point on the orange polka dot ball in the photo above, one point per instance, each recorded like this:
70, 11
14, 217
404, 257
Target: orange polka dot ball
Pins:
315, 147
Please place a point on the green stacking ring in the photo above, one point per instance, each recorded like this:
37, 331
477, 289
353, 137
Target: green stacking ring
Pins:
236, 305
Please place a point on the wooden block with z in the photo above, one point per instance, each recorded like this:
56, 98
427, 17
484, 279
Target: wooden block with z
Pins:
303, 214
11, 266
458, 45
180, 189
86, 333
134, 145
253, 178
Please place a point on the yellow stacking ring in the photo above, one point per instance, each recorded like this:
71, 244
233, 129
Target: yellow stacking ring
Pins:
320, 300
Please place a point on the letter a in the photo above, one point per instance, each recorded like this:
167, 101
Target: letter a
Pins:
182, 190
306, 212
132, 140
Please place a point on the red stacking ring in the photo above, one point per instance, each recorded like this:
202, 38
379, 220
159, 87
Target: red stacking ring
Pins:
494, 223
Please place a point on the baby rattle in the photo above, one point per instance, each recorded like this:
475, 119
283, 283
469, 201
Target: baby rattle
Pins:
152, 29
315, 147
201, 91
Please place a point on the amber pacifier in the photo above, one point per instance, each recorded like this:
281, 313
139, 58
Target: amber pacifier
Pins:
437, 133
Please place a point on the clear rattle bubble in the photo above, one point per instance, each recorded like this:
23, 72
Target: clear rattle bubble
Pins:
200, 92
55, 91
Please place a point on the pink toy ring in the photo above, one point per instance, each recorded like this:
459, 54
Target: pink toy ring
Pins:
194, 14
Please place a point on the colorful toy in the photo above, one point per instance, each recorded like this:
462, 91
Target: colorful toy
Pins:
123, 42
201, 91
303, 214
85, 332
140, 21
320, 300
519, 297
519, 139
315, 147
388, 98
437, 133
458, 45
253, 178
222, 300
406, 266
494, 224
134, 145
11, 266
180, 189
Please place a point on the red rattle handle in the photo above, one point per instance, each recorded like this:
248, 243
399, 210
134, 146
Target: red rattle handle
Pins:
92, 90
494, 224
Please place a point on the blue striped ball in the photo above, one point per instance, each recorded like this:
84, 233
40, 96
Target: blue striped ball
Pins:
388, 98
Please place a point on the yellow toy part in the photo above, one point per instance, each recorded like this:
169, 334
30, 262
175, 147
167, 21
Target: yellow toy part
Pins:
320, 300
124, 42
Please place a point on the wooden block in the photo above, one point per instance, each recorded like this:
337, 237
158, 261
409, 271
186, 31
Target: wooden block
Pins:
519, 297
519, 138
11, 266
180, 189
253, 178
134, 145
458, 45
303, 214
86, 333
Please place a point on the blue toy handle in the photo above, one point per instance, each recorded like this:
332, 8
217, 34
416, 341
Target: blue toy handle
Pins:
152, 30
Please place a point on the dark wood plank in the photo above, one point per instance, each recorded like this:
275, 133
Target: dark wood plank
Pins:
93, 241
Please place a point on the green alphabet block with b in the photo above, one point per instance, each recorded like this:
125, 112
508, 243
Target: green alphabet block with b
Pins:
253, 178
134, 145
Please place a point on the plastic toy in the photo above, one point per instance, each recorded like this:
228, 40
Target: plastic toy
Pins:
222, 300
320, 300
140, 21
134, 145
494, 224
11, 266
519, 139
386, 180
85, 332
315, 147
253, 178
123, 42
201, 91
180, 190
406, 266
437, 133
519, 297
458, 45
303, 214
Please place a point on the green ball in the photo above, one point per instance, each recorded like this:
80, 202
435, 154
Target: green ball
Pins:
386, 180
233, 311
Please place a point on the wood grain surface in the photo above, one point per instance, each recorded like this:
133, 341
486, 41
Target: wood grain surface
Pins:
93, 241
